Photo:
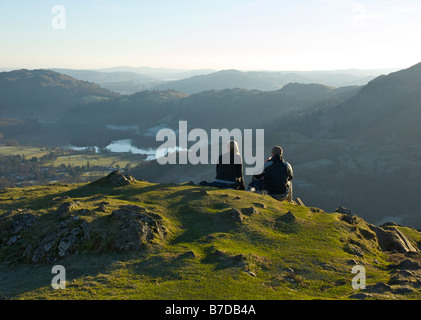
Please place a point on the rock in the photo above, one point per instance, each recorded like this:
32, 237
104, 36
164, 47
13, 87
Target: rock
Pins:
379, 287
251, 273
390, 224
287, 218
353, 250
102, 207
202, 192
349, 219
290, 270
406, 264
403, 290
67, 207
61, 198
236, 215
12, 240
187, 255
392, 240
66, 245
138, 228
22, 222
344, 210
360, 296
367, 234
300, 202
60, 242
260, 205
250, 211
116, 178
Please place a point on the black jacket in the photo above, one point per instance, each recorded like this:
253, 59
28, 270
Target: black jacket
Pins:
276, 175
232, 171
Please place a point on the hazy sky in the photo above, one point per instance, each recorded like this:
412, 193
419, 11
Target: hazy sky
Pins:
196, 34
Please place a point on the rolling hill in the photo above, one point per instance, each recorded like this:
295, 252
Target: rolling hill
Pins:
44, 94
262, 80
119, 238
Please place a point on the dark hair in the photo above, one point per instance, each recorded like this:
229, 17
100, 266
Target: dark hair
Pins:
277, 150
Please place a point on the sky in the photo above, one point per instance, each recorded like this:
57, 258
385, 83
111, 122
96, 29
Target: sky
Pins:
216, 34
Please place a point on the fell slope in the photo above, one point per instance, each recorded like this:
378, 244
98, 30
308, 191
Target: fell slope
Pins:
119, 238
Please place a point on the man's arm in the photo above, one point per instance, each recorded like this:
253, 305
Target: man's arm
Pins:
290, 172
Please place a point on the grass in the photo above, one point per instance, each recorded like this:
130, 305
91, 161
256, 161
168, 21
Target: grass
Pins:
197, 259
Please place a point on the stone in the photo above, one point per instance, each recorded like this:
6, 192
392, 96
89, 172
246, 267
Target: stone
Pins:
287, 218
353, 250
116, 178
236, 215
360, 296
138, 228
187, 255
251, 273
344, 210
406, 264
250, 211
67, 207
22, 222
379, 287
300, 202
403, 290
349, 219
392, 240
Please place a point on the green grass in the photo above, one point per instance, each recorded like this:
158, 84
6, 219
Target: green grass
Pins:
313, 246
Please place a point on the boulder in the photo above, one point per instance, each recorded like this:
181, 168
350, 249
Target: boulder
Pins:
138, 228
250, 211
235, 215
344, 210
116, 178
67, 207
392, 240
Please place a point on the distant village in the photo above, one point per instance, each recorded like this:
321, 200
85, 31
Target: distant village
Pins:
23, 171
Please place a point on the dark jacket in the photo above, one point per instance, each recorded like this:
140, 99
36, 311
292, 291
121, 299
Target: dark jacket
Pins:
232, 171
276, 175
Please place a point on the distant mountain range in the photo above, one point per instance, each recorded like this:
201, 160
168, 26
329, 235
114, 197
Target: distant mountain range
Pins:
356, 145
261, 80
129, 80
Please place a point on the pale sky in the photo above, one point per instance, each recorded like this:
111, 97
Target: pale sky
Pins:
216, 34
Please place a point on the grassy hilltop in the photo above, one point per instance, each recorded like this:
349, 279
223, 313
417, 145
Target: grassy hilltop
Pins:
119, 238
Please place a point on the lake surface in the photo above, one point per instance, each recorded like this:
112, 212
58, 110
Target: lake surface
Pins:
126, 145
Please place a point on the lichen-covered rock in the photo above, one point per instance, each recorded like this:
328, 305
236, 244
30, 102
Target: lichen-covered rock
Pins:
67, 207
138, 228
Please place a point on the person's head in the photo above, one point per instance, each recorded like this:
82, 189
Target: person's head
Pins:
277, 150
232, 146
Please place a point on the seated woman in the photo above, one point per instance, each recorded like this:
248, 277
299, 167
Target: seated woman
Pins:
229, 169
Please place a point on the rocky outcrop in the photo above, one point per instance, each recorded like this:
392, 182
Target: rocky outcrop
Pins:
116, 178
60, 242
138, 228
391, 239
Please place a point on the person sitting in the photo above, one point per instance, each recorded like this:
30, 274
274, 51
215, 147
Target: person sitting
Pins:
276, 178
229, 169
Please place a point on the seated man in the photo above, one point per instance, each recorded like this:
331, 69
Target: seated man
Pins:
230, 174
276, 177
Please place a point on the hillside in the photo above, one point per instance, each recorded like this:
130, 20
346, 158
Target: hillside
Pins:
262, 80
123, 82
44, 94
119, 238
387, 108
